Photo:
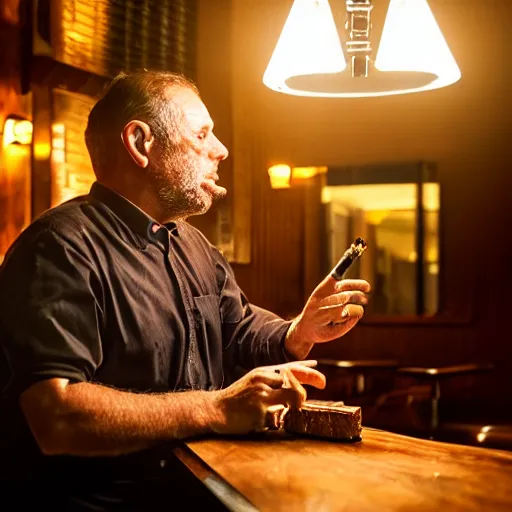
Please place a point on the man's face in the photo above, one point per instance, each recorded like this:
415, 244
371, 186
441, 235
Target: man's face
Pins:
185, 168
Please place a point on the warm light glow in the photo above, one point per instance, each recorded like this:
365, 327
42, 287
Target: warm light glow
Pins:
303, 173
42, 150
309, 44
58, 129
394, 196
375, 217
280, 176
61, 191
17, 131
308, 60
433, 268
412, 41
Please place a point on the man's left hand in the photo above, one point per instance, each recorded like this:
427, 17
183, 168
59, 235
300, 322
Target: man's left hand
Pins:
330, 312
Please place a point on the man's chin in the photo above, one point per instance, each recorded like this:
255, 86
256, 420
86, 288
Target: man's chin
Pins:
209, 196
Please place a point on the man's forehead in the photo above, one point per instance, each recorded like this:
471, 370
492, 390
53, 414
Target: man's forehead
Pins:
190, 105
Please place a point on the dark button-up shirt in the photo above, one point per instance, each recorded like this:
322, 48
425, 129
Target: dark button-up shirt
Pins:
95, 290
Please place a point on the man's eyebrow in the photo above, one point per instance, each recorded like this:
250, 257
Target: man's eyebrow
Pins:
207, 126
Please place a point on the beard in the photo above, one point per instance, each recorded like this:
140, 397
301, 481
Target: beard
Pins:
178, 180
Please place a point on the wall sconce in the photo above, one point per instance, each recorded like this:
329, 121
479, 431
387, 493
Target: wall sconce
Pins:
17, 131
304, 173
311, 60
282, 175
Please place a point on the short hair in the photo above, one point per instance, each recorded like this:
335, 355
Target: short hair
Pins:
136, 95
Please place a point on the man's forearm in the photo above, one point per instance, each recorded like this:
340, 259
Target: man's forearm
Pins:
93, 420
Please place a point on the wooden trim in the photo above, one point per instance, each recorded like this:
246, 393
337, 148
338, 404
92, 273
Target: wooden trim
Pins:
219, 487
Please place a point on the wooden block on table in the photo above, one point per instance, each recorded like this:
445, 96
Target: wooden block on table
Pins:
328, 419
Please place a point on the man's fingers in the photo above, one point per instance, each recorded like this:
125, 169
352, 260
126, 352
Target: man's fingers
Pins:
270, 378
347, 285
330, 286
308, 376
290, 381
303, 371
274, 416
341, 328
342, 298
348, 313
352, 311
289, 397
325, 288
274, 376
339, 313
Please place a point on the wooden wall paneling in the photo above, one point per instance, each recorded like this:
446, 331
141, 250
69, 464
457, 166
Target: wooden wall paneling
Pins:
214, 79
315, 235
14, 159
275, 276
105, 37
247, 150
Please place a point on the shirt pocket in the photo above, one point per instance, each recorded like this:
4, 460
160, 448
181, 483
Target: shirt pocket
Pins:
209, 338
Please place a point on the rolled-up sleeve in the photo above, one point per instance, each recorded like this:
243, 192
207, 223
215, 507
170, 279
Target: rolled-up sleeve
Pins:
252, 336
50, 313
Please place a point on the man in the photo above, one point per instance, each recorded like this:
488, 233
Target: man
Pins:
122, 327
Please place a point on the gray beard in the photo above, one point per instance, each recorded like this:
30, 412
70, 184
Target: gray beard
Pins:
178, 194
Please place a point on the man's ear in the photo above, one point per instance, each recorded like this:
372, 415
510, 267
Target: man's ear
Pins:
137, 140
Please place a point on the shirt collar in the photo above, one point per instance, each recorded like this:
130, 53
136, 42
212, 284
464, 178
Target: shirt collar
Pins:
135, 218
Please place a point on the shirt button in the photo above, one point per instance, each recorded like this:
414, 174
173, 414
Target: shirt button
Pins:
163, 463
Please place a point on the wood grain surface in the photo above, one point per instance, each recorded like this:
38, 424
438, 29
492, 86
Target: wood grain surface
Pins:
385, 471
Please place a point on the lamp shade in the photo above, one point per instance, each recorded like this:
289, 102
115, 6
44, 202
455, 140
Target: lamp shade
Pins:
413, 42
412, 56
309, 44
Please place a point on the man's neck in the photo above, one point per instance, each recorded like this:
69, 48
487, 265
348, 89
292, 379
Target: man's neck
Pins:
140, 195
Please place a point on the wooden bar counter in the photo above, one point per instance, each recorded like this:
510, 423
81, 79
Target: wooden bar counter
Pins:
385, 471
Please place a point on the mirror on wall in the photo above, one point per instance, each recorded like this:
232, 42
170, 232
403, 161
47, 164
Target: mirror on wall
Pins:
396, 209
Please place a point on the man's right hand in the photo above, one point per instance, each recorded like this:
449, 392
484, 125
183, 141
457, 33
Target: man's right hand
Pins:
243, 406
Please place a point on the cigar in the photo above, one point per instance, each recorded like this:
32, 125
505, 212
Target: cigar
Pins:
350, 255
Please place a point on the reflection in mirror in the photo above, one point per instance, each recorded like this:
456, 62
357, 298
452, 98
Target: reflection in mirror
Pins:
397, 212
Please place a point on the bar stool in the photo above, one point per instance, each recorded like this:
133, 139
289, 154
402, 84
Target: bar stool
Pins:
434, 376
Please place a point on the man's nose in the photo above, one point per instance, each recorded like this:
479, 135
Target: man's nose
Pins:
219, 151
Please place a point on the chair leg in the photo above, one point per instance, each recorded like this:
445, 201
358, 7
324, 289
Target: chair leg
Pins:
436, 394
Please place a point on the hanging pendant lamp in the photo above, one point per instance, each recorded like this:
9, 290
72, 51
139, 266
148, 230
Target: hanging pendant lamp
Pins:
310, 59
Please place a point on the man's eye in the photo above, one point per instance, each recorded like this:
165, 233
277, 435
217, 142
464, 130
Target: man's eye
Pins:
201, 135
